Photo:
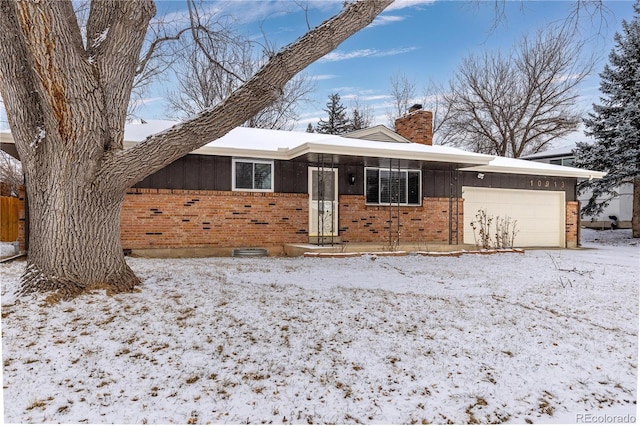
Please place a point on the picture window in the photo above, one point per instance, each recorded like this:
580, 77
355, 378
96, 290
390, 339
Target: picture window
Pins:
393, 187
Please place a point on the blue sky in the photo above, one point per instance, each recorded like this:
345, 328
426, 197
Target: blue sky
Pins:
423, 39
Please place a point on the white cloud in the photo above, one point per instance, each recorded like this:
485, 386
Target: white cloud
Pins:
345, 89
386, 19
566, 77
374, 97
364, 98
403, 4
337, 55
341, 56
319, 77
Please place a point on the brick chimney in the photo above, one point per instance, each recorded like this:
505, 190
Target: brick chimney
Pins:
416, 125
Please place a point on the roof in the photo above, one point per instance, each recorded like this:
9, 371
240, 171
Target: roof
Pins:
527, 167
138, 130
380, 133
563, 151
285, 145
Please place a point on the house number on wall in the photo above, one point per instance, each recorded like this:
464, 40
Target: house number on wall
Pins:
545, 183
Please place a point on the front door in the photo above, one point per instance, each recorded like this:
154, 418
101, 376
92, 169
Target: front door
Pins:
323, 203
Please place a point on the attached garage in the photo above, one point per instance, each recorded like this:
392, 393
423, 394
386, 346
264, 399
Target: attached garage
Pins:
540, 215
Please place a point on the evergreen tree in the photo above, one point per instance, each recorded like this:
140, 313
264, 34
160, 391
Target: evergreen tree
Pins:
357, 120
615, 125
338, 122
310, 128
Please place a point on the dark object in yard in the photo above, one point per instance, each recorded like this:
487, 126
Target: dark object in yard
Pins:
614, 222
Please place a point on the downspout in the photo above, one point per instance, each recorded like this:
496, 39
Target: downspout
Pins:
454, 203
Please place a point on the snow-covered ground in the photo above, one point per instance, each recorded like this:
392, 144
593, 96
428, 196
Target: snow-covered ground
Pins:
545, 336
7, 250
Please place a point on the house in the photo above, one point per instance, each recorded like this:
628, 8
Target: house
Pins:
619, 209
257, 188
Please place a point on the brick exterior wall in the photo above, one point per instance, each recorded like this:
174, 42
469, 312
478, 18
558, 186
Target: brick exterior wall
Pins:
572, 224
416, 126
164, 218
427, 223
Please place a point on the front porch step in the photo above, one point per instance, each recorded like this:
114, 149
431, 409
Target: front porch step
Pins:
324, 240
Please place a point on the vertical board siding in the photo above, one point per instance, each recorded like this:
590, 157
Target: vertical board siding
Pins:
192, 172
9, 208
530, 182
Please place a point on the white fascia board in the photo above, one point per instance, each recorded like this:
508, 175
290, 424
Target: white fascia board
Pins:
402, 154
402, 151
6, 137
552, 170
286, 153
280, 154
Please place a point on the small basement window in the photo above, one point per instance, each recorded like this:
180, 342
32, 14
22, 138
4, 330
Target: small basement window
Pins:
392, 187
252, 175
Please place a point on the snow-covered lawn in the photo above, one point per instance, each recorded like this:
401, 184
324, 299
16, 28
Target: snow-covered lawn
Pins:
543, 336
7, 250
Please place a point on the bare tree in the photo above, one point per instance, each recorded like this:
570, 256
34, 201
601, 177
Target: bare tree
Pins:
208, 75
10, 174
209, 71
403, 93
158, 54
361, 114
67, 103
282, 114
516, 104
434, 101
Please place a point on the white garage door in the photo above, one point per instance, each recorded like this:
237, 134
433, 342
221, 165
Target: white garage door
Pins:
540, 214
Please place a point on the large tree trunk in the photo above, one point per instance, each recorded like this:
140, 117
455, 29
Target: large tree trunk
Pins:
74, 240
635, 219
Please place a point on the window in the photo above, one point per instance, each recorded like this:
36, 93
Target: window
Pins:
384, 186
252, 175
567, 161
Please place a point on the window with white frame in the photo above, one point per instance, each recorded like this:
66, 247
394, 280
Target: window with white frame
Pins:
252, 175
384, 186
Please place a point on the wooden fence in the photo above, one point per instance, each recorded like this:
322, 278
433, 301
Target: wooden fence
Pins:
9, 218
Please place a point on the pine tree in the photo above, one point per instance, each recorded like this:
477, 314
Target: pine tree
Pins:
338, 122
310, 128
615, 125
357, 120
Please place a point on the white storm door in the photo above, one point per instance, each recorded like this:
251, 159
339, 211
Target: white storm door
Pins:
323, 202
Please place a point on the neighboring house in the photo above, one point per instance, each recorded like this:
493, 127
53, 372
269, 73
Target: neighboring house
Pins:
619, 209
267, 188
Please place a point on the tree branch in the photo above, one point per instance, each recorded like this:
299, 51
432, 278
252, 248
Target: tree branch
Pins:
18, 83
134, 164
115, 34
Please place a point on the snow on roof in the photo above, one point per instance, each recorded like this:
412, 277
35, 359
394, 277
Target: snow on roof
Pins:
285, 145
563, 151
138, 130
518, 166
